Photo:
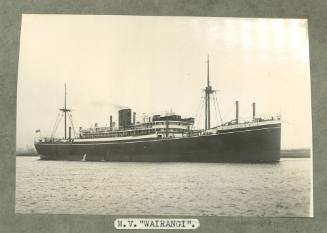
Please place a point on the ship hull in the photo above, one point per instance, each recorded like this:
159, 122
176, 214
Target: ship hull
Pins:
255, 144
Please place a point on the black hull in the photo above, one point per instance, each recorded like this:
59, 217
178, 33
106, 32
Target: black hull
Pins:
256, 144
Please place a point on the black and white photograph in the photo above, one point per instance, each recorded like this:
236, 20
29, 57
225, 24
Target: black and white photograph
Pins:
164, 115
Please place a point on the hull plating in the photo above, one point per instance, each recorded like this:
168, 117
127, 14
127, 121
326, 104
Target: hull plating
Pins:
244, 145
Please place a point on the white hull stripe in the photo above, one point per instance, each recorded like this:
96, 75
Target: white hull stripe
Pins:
103, 143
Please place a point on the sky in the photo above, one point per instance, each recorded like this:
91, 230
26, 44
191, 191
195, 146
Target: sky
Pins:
154, 64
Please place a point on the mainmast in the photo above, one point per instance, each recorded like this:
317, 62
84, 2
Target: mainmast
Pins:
65, 110
208, 91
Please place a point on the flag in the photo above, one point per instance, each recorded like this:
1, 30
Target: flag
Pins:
37, 131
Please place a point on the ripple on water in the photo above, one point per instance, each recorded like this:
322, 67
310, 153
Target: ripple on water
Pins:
281, 189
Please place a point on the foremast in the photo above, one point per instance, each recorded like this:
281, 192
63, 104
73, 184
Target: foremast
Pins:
208, 91
65, 110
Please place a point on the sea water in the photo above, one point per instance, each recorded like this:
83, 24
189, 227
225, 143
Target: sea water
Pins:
126, 188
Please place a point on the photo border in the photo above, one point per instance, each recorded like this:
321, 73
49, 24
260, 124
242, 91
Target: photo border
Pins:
10, 24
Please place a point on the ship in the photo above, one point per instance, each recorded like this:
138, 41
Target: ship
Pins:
167, 137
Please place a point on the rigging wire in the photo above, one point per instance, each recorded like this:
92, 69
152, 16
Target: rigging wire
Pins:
216, 101
71, 122
216, 112
198, 108
60, 116
58, 120
197, 111
201, 106
54, 126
